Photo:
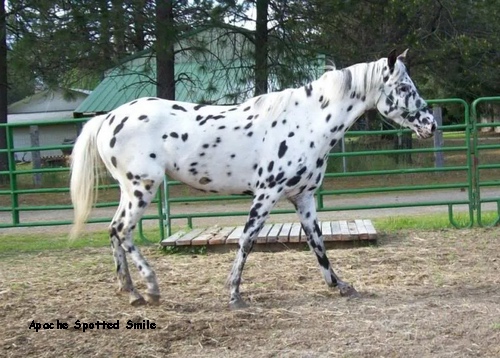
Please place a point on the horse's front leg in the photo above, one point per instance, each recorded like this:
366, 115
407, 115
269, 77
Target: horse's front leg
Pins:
261, 206
306, 210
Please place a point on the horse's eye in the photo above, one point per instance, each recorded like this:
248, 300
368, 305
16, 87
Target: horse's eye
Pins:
404, 88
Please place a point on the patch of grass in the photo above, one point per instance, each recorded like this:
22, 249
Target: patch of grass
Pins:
427, 222
22, 243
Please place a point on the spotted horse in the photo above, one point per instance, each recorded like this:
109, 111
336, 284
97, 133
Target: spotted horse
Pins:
272, 146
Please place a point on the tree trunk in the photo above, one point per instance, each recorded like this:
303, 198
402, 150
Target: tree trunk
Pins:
261, 68
119, 23
165, 57
139, 39
3, 91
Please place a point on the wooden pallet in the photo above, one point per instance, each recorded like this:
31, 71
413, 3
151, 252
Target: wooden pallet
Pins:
275, 234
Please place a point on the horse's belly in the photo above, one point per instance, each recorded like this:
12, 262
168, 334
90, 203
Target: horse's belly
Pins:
213, 182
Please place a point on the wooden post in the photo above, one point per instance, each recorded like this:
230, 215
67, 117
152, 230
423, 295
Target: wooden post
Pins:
36, 159
438, 138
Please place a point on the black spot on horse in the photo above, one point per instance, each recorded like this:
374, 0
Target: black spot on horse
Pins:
174, 135
328, 117
318, 178
119, 127
321, 98
311, 145
112, 119
198, 106
130, 176
333, 142
293, 181
248, 125
291, 134
349, 108
142, 117
250, 117
113, 161
152, 99
138, 194
250, 134
199, 117
270, 166
112, 142
282, 149
274, 124
153, 155
164, 136
204, 180
260, 171
319, 162
246, 109
184, 137
179, 108
221, 127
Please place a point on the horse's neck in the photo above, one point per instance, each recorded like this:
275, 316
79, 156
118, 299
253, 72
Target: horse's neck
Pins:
350, 92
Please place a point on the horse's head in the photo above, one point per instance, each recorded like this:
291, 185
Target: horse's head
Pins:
399, 99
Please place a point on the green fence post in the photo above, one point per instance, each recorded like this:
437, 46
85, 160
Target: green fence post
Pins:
478, 166
12, 176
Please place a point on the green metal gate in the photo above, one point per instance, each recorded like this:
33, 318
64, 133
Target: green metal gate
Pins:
486, 163
468, 177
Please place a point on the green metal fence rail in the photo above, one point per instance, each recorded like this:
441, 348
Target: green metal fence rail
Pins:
465, 177
14, 192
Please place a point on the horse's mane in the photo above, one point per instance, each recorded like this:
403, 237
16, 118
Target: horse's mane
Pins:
362, 78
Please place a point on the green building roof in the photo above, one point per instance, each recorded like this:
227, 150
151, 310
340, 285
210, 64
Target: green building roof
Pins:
212, 67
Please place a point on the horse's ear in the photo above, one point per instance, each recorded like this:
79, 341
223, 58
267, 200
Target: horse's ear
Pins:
391, 60
402, 57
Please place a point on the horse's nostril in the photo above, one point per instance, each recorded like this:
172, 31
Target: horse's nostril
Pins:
433, 128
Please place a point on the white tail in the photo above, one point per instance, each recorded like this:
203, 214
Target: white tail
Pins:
85, 173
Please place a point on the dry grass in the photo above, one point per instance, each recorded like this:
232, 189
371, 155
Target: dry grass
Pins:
425, 294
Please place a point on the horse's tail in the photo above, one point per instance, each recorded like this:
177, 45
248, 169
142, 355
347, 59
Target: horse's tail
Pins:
85, 173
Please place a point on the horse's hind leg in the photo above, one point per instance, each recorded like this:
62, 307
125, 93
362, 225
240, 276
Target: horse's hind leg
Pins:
125, 283
143, 190
306, 210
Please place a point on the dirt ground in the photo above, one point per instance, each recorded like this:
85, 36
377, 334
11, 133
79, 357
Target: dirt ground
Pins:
424, 294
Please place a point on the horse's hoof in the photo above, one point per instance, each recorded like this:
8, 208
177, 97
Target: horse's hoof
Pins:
137, 300
349, 291
152, 299
238, 304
